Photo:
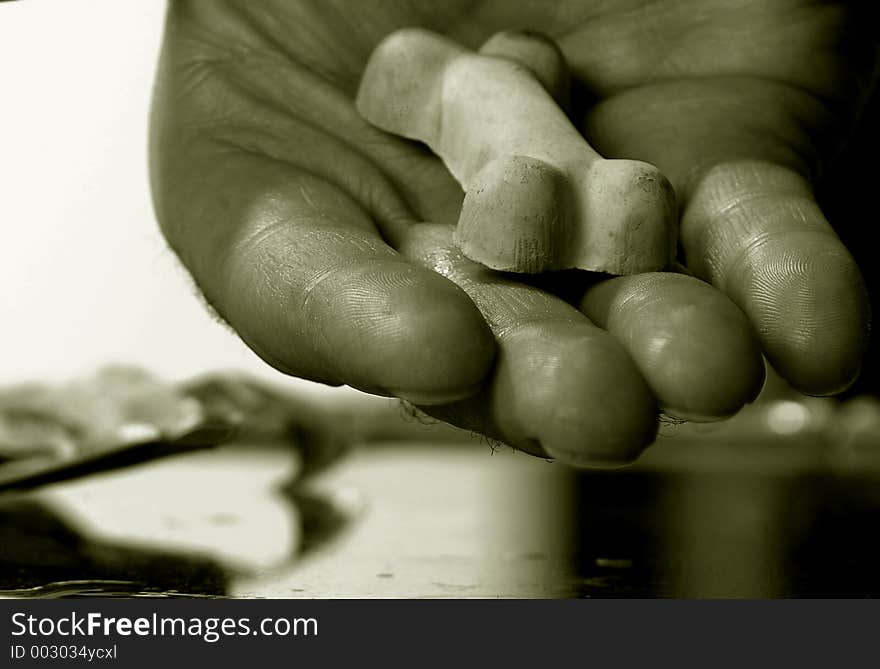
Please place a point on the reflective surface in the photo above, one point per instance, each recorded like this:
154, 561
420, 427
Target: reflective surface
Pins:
780, 502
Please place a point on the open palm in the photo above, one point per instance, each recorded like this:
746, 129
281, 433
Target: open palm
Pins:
290, 210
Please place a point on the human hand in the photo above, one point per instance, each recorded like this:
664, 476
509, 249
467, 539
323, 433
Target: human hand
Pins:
285, 205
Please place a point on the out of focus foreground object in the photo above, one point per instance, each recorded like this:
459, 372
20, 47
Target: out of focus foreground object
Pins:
778, 501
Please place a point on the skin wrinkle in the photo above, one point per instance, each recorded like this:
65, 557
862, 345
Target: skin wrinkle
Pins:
186, 22
655, 14
363, 311
507, 328
247, 35
504, 303
268, 282
735, 208
638, 294
262, 17
652, 61
804, 328
355, 291
728, 259
798, 335
357, 295
529, 351
792, 271
748, 197
376, 193
382, 198
279, 226
690, 176
302, 33
357, 25
282, 288
507, 306
245, 12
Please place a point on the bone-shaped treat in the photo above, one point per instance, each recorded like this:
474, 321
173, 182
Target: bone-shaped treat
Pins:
537, 196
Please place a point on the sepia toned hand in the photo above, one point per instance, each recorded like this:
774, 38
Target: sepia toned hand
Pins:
325, 242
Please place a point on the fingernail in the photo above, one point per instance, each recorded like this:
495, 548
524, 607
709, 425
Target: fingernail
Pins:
587, 460
435, 396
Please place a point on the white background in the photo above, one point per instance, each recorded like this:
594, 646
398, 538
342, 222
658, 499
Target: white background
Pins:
85, 277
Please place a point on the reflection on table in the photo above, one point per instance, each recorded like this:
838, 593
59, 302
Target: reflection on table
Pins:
777, 502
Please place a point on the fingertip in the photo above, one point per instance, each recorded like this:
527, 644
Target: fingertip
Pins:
560, 386
754, 229
695, 348
408, 331
807, 298
581, 399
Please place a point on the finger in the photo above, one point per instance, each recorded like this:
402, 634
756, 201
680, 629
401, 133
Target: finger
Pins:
786, 268
561, 386
300, 272
737, 152
694, 347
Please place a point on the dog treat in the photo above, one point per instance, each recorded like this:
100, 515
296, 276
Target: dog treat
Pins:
537, 196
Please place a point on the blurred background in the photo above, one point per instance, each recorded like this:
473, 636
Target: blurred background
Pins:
85, 276
780, 502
